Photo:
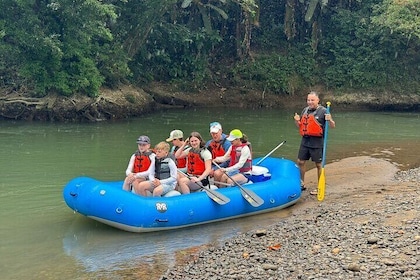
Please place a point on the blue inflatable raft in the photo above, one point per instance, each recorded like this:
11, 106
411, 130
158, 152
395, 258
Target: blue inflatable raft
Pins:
106, 202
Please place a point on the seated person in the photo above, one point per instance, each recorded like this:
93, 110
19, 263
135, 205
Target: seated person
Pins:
198, 164
140, 163
177, 139
163, 174
218, 145
240, 158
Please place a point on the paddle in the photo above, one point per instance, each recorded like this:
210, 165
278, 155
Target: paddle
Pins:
249, 195
321, 180
216, 196
272, 151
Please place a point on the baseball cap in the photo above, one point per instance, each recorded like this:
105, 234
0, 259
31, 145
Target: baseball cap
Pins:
143, 140
234, 134
215, 127
175, 134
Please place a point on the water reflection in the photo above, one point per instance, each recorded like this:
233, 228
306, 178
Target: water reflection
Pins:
101, 248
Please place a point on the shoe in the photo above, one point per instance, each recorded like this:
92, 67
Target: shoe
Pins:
302, 186
314, 192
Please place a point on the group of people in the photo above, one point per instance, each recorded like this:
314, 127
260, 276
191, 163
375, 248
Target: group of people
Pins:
226, 159
190, 163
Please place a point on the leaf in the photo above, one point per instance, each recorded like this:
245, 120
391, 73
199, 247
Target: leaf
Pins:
311, 10
220, 11
275, 247
186, 4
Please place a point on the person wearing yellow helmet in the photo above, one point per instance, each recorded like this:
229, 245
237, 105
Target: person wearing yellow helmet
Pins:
239, 156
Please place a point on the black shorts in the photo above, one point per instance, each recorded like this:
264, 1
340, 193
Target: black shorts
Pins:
305, 153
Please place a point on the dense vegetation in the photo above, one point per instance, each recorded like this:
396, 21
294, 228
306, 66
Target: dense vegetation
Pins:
281, 46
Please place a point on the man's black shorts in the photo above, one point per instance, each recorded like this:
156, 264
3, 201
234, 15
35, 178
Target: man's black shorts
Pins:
305, 153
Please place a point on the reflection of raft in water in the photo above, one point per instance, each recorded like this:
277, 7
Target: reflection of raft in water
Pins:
100, 248
108, 203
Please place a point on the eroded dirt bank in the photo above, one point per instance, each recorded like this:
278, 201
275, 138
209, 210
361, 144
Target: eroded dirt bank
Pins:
129, 101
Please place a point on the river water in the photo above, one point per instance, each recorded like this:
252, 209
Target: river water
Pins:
43, 239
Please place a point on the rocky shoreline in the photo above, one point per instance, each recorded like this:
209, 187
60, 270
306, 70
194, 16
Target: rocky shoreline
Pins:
368, 227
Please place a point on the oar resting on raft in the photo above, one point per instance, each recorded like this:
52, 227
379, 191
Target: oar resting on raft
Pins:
249, 195
215, 196
272, 151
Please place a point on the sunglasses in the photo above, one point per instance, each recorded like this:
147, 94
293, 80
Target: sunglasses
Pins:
214, 123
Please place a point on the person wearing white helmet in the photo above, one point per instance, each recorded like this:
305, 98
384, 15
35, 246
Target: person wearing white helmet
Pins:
218, 144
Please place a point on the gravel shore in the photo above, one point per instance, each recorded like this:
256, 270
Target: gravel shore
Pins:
368, 227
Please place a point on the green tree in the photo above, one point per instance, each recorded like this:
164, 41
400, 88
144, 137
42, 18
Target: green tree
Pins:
402, 16
59, 45
70, 46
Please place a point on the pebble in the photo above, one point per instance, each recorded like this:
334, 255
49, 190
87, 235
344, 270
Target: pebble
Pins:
339, 240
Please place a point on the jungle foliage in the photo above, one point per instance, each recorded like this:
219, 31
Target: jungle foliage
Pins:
79, 46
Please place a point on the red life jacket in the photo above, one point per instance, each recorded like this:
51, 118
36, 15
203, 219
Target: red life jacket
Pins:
216, 148
180, 162
309, 125
235, 154
196, 165
142, 161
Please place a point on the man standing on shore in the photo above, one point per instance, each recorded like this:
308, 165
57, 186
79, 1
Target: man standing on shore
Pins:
311, 126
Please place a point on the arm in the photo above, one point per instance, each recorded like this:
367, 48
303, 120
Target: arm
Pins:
245, 154
296, 117
182, 152
130, 166
225, 157
206, 155
152, 170
207, 170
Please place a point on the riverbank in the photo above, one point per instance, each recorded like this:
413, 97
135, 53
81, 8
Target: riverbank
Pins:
130, 101
367, 227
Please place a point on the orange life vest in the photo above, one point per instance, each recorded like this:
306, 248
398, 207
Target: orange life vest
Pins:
196, 165
309, 125
235, 154
142, 161
180, 162
216, 148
